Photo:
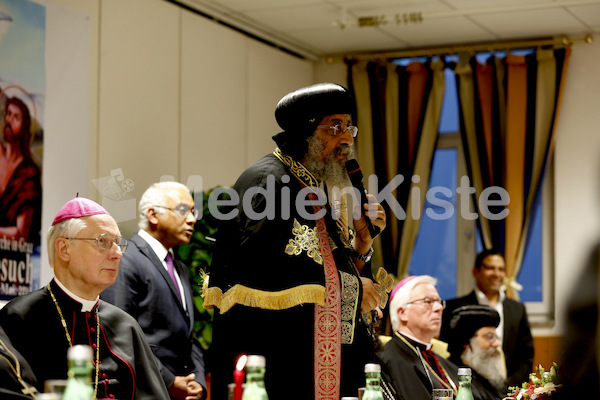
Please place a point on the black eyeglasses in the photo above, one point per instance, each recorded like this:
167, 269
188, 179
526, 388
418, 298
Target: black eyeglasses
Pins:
182, 210
105, 241
337, 129
428, 302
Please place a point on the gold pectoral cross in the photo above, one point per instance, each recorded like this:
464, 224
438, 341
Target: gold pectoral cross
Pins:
383, 284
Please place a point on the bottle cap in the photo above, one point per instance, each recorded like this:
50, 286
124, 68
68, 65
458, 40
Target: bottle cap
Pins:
464, 371
256, 361
80, 352
372, 367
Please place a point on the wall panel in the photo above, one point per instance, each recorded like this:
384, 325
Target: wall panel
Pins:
213, 101
139, 92
271, 74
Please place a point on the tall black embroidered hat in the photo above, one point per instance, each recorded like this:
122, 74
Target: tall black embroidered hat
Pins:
298, 113
467, 320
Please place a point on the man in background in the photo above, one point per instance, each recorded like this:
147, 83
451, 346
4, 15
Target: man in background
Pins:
416, 317
154, 288
513, 330
473, 343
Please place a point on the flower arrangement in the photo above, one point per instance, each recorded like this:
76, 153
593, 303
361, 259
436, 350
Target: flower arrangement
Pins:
541, 386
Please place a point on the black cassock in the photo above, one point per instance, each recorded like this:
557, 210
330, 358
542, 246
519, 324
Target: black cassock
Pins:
266, 277
411, 379
127, 367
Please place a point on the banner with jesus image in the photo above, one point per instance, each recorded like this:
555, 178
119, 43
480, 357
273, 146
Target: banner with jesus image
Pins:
22, 98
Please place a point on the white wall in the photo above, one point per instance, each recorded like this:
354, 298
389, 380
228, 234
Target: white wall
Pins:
166, 92
577, 177
171, 93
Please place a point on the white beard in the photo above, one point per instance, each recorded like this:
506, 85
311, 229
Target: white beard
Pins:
488, 363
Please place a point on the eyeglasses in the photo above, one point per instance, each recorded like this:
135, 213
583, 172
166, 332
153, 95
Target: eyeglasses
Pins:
105, 241
182, 210
428, 302
490, 336
337, 129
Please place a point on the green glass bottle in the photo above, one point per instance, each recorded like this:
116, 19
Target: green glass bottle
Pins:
373, 378
79, 380
255, 379
464, 384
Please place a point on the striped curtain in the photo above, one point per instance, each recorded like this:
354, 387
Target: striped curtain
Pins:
397, 112
508, 113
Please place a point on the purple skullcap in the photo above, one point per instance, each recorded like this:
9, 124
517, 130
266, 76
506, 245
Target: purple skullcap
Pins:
400, 284
77, 208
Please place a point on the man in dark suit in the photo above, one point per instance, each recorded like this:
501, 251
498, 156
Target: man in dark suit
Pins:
513, 331
155, 289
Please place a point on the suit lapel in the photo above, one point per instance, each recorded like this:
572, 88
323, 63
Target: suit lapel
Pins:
187, 289
147, 251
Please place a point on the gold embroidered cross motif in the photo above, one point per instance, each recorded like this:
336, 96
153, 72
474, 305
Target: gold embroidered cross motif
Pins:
383, 284
305, 239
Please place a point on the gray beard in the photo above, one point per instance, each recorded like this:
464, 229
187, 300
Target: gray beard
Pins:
330, 171
488, 363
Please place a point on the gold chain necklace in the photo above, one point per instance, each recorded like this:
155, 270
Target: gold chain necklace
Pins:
450, 385
64, 324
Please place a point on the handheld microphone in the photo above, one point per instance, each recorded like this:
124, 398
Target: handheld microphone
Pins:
356, 176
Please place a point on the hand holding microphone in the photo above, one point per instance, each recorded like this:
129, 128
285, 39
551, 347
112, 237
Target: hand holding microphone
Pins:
356, 176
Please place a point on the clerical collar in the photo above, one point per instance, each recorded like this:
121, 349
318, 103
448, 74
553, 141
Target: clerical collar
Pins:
482, 298
158, 248
86, 305
428, 346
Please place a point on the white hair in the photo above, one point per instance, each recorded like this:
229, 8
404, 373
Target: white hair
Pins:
65, 229
402, 297
489, 363
156, 195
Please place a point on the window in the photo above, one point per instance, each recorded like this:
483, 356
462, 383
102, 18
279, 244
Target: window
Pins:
446, 249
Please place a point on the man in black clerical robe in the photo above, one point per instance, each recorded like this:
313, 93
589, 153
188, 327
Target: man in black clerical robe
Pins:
416, 316
17, 381
286, 276
473, 343
84, 247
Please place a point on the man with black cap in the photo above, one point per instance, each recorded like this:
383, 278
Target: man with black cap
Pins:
287, 272
473, 342
84, 248
513, 331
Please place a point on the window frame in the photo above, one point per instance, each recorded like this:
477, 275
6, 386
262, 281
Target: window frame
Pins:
540, 313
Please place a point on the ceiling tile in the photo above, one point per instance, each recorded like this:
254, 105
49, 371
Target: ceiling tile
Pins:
491, 4
537, 23
253, 5
336, 40
588, 14
298, 17
311, 27
441, 31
